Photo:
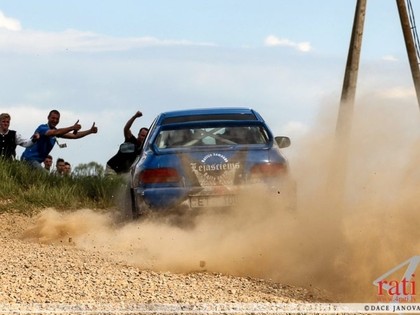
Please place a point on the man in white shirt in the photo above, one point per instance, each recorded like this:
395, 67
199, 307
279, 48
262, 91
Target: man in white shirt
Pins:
9, 139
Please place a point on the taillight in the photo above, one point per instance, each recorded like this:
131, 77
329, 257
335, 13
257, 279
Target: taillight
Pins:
159, 175
265, 170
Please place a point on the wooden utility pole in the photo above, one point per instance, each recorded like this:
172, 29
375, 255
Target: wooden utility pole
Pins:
338, 167
411, 48
344, 120
350, 77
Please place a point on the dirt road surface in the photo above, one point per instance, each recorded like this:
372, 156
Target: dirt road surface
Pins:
34, 271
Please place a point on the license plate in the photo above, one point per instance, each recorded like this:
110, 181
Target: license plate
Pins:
212, 201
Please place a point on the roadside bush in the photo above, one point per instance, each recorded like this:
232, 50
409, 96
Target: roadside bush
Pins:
24, 189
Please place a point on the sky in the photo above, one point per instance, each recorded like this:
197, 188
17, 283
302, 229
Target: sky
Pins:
101, 61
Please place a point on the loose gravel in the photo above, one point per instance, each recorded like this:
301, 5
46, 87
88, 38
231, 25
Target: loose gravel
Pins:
32, 272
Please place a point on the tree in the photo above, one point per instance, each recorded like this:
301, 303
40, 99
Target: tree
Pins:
89, 169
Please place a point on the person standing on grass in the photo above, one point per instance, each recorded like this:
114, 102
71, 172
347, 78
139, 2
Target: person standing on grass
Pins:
67, 168
48, 134
60, 167
48, 163
9, 139
121, 161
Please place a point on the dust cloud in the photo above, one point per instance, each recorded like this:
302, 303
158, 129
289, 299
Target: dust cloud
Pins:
350, 227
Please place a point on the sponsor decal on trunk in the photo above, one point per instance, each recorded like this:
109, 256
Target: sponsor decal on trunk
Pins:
215, 169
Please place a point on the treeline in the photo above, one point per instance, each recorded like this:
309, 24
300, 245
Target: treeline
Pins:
23, 189
89, 169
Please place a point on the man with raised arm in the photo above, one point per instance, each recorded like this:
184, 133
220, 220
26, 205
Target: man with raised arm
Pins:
121, 161
48, 134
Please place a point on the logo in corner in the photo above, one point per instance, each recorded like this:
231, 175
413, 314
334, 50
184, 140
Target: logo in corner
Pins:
397, 291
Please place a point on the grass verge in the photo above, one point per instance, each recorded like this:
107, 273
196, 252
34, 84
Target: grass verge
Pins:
26, 190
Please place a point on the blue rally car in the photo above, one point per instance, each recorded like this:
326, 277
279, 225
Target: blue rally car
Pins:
201, 158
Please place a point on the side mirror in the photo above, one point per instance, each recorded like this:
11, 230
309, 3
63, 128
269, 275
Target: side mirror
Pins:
127, 147
283, 142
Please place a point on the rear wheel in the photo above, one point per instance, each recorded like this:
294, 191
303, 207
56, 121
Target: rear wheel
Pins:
126, 204
139, 207
135, 211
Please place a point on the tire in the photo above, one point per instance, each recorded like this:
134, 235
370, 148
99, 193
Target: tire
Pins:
138, 206
135, 213
126, 212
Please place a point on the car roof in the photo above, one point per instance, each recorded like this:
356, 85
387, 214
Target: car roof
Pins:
209, 114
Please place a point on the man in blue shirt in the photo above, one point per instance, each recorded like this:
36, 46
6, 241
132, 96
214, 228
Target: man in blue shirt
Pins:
47, 134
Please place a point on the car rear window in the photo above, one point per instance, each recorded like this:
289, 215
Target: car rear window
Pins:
216, 136
211, 117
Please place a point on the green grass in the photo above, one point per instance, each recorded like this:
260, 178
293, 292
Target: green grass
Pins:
26, 190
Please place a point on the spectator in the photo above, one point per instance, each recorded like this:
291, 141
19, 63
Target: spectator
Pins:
9, 139
48, 163
60, 167
48, 133
67, 169
121, 161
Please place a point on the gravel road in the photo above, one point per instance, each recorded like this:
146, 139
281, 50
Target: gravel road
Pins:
34, 272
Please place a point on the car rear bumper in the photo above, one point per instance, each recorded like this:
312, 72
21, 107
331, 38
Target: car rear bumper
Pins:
161, 199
